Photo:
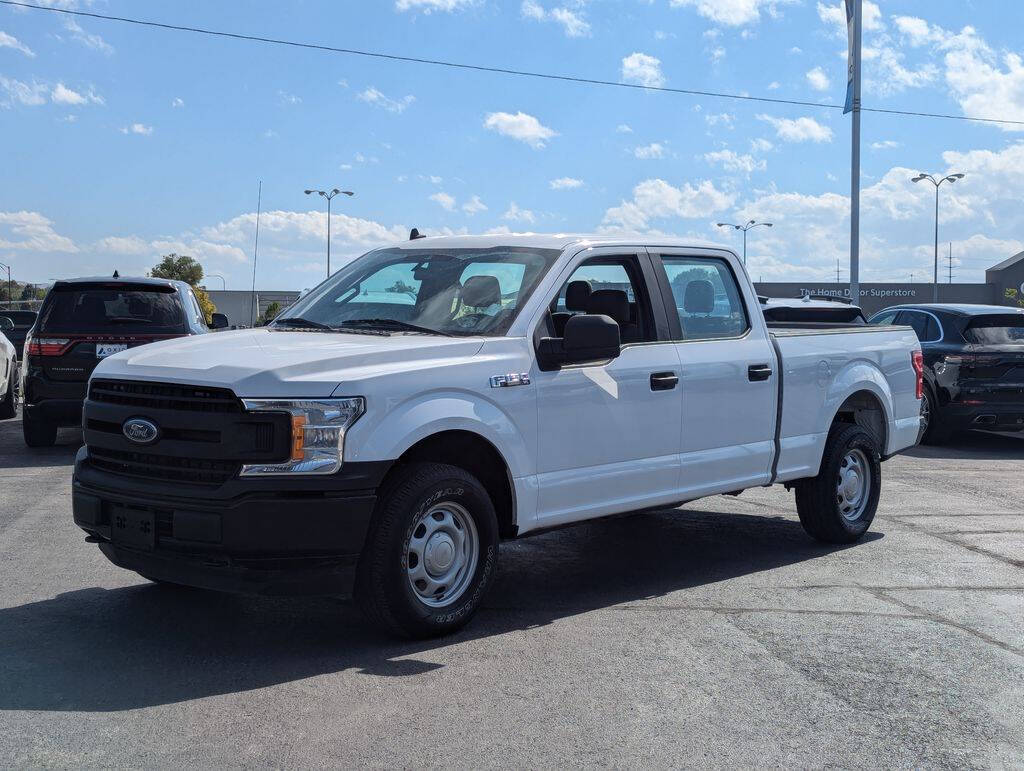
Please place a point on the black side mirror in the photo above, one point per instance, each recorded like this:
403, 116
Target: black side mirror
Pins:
591, 338
6, 325
219, 321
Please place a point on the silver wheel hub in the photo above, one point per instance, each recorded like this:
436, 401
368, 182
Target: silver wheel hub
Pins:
854, 485
441, 554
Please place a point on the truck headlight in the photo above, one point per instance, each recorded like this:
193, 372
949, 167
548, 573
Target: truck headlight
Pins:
317, 439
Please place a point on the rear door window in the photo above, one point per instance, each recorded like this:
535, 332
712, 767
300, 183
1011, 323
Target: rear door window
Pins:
707, 297
923, 324
112, 311
885, 318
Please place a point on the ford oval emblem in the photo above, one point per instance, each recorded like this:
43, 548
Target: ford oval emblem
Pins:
140, 431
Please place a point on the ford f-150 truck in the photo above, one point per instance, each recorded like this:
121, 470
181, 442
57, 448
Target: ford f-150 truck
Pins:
435, 397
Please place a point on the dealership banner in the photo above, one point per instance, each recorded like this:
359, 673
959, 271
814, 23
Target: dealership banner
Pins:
852, 8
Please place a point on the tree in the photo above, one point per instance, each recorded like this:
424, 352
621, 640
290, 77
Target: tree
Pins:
181, 267
272, 310
1013, 294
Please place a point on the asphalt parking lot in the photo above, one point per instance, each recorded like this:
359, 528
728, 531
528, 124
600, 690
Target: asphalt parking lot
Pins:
716, 635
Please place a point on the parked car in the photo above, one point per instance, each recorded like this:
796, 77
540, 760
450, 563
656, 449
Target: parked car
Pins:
81, 322
810, 310
8, 371
363, 440
23, 321
973, 365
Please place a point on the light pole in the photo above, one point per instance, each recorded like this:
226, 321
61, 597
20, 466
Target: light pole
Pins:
223, 283
10, 298
329, 196
744, 228
951, 178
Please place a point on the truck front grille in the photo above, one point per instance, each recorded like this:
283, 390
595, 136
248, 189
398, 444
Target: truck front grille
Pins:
164, 467
164, 396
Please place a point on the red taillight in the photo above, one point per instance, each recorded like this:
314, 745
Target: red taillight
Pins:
47, 346
917, 359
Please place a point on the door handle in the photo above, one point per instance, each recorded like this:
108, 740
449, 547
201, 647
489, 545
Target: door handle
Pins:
663, 381
757, 372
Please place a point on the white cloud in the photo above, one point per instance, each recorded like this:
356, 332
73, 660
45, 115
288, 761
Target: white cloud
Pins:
372, 96
430, 6
722, 118
444, 200
657, 199
31, 231
361, 158
761, 145
717, 54
521, 127
61, 94
798, 129
137, 128
9, 41
565, 183
885, 144
623, 128
834, 15
88, 39
16, 92
818, 80
649, 152
733, 13
474, 206
515, 214
285, 98
985, 85
178, 102
730, 161
573, 22
643, 70
774, 85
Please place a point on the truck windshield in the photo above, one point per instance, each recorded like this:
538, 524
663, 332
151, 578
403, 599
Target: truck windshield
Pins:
448, 292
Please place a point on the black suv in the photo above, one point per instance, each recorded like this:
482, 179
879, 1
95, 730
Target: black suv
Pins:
83, 320
23, 321
973, 366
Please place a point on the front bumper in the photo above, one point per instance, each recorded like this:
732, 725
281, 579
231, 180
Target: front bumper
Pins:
258, 541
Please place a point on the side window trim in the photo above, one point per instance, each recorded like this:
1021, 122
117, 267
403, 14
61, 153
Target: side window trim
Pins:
669, 300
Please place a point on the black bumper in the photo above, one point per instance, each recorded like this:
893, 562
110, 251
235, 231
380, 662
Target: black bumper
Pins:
63, 412
258, 541
993, 416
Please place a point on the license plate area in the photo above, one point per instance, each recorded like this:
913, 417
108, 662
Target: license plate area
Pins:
108, 349
133, 527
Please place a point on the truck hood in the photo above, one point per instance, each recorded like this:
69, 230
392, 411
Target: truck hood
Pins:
272, 363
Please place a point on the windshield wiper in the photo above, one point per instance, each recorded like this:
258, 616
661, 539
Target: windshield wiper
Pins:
405, 326
298, 321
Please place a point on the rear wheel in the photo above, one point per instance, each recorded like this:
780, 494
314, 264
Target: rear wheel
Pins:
431, 552
932, 431
8, 405
38, 433
838, 505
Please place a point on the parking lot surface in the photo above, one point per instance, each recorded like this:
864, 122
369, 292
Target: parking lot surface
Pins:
714, 635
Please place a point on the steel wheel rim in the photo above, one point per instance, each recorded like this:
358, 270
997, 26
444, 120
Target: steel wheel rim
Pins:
441, 554
926, 415
853, 488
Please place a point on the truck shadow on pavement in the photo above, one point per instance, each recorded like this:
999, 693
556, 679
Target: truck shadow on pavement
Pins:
99, 650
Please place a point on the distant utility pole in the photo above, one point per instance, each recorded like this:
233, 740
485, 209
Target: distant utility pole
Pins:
10, 291
951, 262
744, 228
329, 196
951, 178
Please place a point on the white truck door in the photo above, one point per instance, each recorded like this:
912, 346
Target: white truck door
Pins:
608, 433
728, 373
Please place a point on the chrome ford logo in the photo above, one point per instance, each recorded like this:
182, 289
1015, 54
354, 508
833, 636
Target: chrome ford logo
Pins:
140, 431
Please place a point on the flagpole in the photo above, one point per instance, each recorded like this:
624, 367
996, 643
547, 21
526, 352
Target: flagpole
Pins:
853, 8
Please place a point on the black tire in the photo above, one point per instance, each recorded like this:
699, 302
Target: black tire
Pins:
384, 590
9, 405
38, 433
818, 499
937, 432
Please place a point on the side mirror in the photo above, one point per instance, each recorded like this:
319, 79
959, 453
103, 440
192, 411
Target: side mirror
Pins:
6, 325
591, 338
219, 321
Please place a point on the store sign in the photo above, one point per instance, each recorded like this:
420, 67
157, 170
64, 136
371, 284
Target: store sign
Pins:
873, 292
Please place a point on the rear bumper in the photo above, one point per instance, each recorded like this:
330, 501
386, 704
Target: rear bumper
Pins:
52, 401
63, 412
997, 416
260, 542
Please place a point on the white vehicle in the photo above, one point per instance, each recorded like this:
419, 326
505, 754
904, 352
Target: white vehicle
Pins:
367, 441
8, 370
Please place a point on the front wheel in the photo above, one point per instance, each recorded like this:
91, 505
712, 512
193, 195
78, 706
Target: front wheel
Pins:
838, 505
431, 552
8, 404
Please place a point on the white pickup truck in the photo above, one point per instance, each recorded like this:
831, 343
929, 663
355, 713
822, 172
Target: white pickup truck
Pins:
435, 397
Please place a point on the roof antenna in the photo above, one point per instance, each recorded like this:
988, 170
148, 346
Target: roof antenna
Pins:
116, 274
415, 233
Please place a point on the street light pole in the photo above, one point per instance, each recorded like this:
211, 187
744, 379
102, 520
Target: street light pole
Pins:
223, 283
10, 297
329, 196
951, 178
745, 227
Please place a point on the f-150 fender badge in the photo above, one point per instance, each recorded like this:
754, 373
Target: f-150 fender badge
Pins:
511, 379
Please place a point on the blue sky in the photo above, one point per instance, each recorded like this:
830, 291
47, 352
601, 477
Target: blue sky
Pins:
122, 143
